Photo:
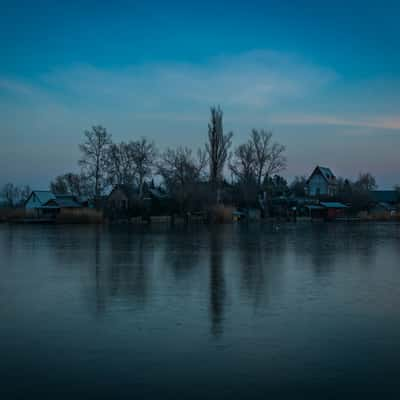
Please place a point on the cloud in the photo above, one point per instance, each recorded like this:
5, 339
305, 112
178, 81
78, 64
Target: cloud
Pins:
383, 122
16, 87
256, 79
42, 118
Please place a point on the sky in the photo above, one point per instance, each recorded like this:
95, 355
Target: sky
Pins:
325, 78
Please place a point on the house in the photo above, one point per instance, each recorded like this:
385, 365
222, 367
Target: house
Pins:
35, 203
46, 204
389, 197
384, 202
328, 210
121, 201
156, 201
321, 183
62, 201
125, 201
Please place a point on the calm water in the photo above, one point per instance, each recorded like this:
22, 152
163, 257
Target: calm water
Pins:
306, 311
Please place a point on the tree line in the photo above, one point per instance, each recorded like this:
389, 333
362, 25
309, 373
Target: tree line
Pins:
190, 176
186, 174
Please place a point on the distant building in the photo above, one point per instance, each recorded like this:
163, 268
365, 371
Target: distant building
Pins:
121, 201
44, 203
327, 210
122, 196
322, 182
390, 197
125, 201
384, 201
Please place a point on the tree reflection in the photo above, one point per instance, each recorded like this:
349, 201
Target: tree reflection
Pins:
181, 250
217, 281
121, 261
261, 253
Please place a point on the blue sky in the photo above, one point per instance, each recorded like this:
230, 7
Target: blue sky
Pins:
325, 79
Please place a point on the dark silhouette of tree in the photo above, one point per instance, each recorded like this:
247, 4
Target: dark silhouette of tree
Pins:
15, 195
298, 186
180, 171
365, 182
10, 194
130, 163
242, 166
243, 163
143, 154
69, 183
94, 157
217, 147
269, 156
277, 186
119, 164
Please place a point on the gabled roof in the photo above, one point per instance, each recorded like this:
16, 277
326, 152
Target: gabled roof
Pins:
42, 195
129, 190
50, 200
332, 204
325, 172
385, 196
67, 201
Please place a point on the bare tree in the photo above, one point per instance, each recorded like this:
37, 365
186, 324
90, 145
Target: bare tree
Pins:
143, 155
298, 186
120, 167
270, 158
14, 195
129, 163
218, 146
10, 194
365, 182
181, 171
243, 163
25, 192
242, 166
94, 157
69, 183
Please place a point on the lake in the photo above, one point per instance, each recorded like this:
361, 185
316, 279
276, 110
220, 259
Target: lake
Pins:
235, 311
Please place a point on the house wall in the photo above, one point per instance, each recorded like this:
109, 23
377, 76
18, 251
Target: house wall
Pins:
33, 202
118, 199
318, 185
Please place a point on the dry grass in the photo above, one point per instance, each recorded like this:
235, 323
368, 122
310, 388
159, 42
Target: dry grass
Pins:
221, 214
161, 219
80, 216
379, 216
8, 214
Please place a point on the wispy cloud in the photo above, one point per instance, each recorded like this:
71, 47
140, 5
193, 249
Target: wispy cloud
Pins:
382, 122
169, 103
256, 79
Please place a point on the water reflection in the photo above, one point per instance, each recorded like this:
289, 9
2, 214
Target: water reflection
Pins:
250, 307
217, 288
126, 267
121, 265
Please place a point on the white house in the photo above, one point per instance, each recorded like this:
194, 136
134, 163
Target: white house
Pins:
322, 182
